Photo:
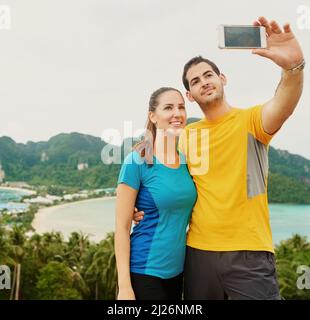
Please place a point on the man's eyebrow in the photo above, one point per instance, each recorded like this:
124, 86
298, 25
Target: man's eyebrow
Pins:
204, 74
169, 104
196, 78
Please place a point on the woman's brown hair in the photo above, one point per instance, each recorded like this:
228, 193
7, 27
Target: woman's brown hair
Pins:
146, 145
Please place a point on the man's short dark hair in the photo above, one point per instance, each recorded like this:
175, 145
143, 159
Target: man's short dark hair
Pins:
193, 62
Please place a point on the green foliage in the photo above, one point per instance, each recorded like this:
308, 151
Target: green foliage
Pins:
54, 163
78, 269
21, 219
290, 254
52, 268
55, 282
289, 179
283, 189
102, 269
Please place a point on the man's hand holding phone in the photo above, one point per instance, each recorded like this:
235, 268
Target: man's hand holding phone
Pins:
266, 39
282, 45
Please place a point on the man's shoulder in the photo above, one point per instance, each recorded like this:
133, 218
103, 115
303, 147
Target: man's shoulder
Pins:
236, 112
195, 125
245, 113
250, 108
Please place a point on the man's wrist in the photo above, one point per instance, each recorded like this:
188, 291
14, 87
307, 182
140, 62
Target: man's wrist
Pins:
296, 69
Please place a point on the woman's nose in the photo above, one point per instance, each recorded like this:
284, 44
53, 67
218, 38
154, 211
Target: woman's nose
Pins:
177, 112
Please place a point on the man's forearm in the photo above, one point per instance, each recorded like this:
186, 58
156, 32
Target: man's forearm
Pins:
288, 93
281, 106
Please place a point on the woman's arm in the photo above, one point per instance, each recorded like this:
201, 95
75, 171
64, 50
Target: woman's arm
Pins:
125, 203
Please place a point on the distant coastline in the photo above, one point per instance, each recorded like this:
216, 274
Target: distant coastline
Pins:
44, 212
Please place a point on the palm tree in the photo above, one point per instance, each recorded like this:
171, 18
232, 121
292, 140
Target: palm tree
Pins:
78, 281
90, 275
298, 243
17, 238
4, 246
103, 268
78, 244
109, 269
290, 254
35, 244
5, 249
51, 246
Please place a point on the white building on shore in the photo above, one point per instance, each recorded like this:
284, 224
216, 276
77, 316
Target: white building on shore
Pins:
39, 200
82, 166
75, 196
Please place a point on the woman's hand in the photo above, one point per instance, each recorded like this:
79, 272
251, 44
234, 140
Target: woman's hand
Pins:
126, 294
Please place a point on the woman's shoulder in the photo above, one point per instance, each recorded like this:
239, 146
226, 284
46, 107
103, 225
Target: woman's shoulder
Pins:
134, 157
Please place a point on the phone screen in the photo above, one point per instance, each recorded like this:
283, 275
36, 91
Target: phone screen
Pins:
242, 36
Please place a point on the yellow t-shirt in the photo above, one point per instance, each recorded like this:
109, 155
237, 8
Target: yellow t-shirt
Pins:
228, 159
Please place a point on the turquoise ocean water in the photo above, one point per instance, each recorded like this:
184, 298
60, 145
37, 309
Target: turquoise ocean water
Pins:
96, 218
9, 199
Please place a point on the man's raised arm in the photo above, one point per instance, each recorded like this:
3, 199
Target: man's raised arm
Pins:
284, 50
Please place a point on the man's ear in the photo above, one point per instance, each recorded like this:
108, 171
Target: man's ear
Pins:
189, 96
223, 79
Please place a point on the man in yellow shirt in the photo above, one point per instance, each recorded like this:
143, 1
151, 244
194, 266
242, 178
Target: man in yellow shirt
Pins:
229, 244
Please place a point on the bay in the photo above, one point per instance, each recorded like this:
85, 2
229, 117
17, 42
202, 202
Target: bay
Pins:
96, 217
9, 198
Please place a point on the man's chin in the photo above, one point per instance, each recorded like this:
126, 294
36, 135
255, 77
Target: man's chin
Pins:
212, 100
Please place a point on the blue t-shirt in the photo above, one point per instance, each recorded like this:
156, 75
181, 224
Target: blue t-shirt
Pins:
167, 196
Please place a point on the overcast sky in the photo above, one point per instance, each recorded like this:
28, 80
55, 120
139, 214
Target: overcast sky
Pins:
89, 65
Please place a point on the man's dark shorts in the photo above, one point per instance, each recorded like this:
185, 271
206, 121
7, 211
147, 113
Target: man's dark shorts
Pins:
237, 275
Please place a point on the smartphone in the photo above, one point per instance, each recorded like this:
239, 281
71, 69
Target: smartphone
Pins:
242, 37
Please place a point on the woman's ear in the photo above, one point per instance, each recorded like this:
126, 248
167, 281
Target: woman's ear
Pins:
152, 117
189, 96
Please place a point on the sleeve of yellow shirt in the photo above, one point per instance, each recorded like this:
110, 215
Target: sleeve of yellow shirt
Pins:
255, 125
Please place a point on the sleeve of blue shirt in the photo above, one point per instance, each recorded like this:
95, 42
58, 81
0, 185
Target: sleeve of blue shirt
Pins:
130, 173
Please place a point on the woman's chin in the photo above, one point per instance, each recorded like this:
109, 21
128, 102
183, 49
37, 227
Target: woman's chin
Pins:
176, 131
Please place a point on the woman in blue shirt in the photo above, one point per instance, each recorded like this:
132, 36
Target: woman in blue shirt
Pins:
154, 178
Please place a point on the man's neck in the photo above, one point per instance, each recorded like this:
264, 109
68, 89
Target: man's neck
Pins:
216, 110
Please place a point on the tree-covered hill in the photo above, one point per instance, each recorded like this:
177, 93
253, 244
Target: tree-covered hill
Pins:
74, 160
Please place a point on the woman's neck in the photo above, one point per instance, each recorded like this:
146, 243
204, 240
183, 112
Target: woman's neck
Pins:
165, 149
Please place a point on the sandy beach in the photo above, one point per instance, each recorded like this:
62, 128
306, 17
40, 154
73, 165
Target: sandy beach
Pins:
44, 213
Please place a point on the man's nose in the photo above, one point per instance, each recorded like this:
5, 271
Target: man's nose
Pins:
205, 83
